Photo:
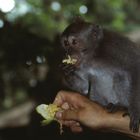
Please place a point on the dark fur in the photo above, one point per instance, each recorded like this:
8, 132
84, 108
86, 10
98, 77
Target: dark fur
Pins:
108, 67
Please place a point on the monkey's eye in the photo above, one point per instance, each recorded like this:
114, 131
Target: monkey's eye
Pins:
74, 42
66, 43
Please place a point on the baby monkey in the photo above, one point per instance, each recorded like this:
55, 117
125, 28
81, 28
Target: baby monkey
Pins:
107, 67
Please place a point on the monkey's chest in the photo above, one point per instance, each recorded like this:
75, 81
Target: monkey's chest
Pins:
106, 85
110, 86
78, 82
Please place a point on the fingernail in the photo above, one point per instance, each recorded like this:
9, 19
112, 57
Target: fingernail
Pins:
65, 106
59, 115
77, 124
56, 99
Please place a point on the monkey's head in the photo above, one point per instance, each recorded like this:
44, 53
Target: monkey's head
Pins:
81, 36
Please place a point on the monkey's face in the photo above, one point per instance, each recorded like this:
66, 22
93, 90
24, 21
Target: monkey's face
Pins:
73, 43
79, 37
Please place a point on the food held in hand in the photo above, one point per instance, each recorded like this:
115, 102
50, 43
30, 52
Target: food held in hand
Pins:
47, 112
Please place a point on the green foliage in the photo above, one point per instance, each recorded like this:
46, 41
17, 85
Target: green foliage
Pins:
42, 19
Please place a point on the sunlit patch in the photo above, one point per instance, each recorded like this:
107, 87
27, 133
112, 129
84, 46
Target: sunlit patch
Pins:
29, 63
40, 59
7, 5
83, 9
1, 23
22, 7
33, 82
56, 6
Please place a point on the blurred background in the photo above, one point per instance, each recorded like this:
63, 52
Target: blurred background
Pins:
30, 53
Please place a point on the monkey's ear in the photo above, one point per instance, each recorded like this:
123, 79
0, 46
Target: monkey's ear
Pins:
97, 32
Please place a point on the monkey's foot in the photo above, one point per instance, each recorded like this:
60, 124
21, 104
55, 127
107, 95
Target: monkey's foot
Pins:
134, 122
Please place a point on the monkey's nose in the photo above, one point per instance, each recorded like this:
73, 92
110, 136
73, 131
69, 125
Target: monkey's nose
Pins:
68, 50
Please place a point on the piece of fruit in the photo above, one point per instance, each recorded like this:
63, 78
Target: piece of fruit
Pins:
69, 60
47, 112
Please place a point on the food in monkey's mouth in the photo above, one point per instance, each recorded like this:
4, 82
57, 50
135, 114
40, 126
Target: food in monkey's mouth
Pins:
48, 113
69, 60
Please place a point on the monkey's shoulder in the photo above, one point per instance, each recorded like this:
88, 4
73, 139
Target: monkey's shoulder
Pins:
118, 48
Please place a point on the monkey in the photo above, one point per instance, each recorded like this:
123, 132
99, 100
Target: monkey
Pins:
107, 69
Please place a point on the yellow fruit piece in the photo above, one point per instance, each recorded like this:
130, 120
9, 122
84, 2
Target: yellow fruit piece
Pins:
47, 112
69, 60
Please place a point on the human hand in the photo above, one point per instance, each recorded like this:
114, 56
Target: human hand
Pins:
77, 110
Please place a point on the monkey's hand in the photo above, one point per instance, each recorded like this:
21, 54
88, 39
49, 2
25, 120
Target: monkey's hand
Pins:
69, 65
67, 68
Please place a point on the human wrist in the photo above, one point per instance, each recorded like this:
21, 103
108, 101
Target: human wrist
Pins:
106, 120
114, 121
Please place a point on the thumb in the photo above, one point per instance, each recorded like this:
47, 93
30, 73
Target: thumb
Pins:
67, 115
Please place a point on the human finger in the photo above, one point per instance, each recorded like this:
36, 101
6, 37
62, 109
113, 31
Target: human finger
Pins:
70, 123
65, 106
67, 115
73, 125
73, 98
76, 129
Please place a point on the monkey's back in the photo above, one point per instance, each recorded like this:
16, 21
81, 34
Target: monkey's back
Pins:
119, 49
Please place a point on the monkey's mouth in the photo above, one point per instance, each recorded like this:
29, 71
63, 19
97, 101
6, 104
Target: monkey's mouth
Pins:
70, 60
